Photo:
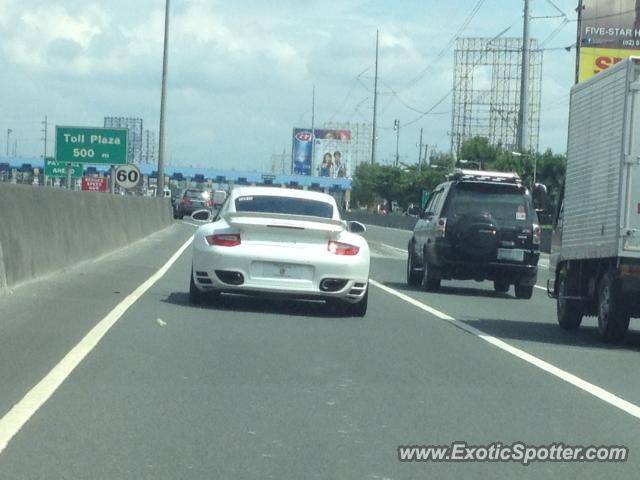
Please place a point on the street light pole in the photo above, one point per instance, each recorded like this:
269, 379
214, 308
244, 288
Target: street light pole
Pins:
163, 95
523, 123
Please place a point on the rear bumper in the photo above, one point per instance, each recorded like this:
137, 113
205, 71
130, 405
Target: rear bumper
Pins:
209, 261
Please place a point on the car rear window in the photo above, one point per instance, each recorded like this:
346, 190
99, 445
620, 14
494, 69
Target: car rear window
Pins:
508, 204
288, 205
194, 193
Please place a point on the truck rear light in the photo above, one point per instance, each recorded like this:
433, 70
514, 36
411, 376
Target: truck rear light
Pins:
629, 270
537, 234
441, 227
186, 201
224, 240
339, 248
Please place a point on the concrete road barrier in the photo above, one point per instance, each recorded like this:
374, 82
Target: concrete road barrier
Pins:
44, 230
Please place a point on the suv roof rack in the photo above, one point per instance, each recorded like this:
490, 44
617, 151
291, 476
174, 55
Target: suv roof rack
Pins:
485, 176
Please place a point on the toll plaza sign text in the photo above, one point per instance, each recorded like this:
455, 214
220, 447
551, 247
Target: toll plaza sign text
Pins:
102, 146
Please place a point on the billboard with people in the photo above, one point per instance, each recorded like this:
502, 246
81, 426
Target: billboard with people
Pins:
327, 156
609, 32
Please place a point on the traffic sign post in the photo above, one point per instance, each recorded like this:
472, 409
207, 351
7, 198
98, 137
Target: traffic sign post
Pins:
100, 146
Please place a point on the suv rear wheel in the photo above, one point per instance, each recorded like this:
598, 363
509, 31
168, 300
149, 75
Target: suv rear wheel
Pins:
413, 276
501, 286
430, 281
524, 292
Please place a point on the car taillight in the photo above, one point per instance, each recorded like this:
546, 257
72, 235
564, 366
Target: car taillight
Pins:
441, 227
208, 203
224, 240
340, 248
186, 200
537, 234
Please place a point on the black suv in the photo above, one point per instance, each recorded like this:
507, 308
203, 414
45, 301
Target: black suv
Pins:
477, 226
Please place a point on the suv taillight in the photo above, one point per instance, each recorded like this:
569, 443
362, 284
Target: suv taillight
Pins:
441, 227
224, 240
186, 201
340, 248
537, 234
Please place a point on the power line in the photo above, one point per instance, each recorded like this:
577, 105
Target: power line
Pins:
465, 24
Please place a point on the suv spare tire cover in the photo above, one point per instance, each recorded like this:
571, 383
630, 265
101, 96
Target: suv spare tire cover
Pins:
476, 235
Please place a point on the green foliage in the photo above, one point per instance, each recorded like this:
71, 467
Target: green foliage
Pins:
374, 183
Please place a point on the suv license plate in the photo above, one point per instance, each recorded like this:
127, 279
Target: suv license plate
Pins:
511, 254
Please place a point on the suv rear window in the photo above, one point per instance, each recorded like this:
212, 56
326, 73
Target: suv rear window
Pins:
194, 194
507, 204
288, 205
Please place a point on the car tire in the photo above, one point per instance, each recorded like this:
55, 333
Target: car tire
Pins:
196, 297
569, 312
524, 292
501, 286
413, 276
360, 309
429, 281
613, 317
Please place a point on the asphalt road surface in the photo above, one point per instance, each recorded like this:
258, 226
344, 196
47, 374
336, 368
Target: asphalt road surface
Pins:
106, 372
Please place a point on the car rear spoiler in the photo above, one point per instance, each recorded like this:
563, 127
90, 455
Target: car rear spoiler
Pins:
285, 220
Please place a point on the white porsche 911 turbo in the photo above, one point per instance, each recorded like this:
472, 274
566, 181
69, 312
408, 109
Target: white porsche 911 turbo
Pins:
279, 241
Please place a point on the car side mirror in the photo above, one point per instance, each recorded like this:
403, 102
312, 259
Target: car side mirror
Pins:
540, 197
356, 227
203, 216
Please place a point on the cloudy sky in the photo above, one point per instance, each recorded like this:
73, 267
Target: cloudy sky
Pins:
241, 72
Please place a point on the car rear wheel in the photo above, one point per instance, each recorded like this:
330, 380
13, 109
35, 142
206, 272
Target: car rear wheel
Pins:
524, 292
501, 286
613, 318
196, 297
413, 275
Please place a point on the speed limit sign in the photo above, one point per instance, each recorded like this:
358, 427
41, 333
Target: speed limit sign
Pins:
127, 176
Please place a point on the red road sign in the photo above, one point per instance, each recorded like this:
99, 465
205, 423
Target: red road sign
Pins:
94, 184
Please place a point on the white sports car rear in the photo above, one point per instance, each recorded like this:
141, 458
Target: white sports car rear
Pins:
279, 241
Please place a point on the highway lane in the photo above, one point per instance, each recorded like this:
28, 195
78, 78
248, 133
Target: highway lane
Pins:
260, 389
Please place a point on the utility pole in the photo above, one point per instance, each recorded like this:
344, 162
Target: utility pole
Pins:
313, 129
163, 95
8, 139
580, 9
45, 130
523, 124
420, 152
375, 106
396, 127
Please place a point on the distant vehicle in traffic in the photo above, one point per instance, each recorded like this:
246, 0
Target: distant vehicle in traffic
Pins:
191, 200
218, 198
275, 241
477, 226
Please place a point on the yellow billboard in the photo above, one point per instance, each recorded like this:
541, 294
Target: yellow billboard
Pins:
609, 32
594, 60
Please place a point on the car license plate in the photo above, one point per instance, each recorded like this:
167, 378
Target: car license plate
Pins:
286, 271
513, 255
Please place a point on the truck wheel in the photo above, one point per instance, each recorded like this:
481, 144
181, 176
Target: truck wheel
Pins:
429, 281
613, 318
501, 286
569, 312
524, 292
413, 276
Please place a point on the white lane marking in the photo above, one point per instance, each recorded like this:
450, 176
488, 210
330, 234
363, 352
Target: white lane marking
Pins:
189, 223
568, 377
388, 228
541, 287
402, 250
22, 411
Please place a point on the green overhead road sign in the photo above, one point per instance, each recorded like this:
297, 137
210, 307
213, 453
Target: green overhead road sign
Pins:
59, 169
100, 146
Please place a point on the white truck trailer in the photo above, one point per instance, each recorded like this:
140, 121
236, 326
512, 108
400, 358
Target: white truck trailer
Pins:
595, 251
